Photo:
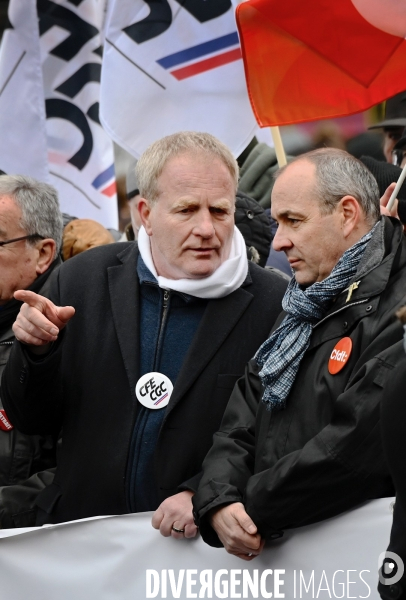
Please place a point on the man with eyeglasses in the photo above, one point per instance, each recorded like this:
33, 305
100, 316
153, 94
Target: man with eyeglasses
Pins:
30, 240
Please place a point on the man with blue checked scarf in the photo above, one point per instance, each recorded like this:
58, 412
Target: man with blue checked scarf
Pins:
300, 441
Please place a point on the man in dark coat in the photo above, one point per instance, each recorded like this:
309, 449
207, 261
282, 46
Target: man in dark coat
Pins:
182, 308
30, 239
300, 440
392, 576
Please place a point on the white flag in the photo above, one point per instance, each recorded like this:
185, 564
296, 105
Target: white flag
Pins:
50, 65
23, 147
174, 65
81, 159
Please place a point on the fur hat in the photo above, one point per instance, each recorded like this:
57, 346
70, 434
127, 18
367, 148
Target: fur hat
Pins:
82, 234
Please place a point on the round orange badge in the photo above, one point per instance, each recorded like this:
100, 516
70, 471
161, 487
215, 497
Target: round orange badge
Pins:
339, 356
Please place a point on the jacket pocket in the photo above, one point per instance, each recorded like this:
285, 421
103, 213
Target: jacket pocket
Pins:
383, 372
227, 382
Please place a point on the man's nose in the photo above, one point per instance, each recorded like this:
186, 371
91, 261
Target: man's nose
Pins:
281, 241
204, 225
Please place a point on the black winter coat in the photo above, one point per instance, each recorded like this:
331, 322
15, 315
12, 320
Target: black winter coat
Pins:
87, 383
393, 425
323, 454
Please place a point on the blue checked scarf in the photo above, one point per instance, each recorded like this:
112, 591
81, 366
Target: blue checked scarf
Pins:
280, 356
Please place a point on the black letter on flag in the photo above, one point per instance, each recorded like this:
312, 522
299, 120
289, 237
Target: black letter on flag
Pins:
51, 14
157, 22
204, 10
160, 16
62, 109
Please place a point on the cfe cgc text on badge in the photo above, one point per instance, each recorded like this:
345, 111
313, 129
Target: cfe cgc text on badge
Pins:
153, 390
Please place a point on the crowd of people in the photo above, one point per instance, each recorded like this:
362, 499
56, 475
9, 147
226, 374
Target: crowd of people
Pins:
181, 370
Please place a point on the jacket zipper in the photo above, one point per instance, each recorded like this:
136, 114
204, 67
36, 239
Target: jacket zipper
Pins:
161, 327
6, 343
164, 315
340, 310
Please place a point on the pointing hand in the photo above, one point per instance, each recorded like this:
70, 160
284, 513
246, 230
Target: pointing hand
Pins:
39, 320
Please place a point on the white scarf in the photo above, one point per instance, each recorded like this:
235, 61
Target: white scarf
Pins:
229, 276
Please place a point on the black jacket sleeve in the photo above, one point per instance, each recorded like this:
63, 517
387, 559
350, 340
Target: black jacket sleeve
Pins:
18, 501
31, 388
230, 462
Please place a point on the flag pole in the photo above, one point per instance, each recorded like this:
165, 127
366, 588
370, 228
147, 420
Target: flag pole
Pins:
397, 188
279, 149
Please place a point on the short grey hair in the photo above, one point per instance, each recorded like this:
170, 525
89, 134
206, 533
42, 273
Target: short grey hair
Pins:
340, 174
39, 206
152, 162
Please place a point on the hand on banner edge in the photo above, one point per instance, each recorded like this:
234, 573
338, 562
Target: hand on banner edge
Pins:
176, 511
237, 531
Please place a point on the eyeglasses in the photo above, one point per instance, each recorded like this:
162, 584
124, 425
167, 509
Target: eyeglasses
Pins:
397, 157
33, 236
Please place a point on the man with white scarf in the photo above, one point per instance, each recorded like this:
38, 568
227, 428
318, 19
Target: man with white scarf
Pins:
135, 351
300, 439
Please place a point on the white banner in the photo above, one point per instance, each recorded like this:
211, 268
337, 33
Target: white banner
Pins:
23, 147
123, 558
174, 65
50, 64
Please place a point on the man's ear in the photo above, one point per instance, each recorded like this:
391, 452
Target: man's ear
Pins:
144, 209
352, 215
46, 255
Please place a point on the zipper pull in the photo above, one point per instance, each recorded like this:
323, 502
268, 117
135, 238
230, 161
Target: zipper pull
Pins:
166, 298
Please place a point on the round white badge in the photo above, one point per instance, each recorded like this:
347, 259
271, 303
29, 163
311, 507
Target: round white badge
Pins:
154, 390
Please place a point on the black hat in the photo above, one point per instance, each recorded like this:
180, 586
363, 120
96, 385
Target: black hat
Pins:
253, 222
395, 112
385, 174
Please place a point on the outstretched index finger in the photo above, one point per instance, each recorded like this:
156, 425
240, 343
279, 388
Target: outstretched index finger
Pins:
58, 315
32, 299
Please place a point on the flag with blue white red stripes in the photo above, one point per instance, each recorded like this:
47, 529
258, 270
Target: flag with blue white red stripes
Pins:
80, 153
173, 65
105, 182
50, 65
202, 57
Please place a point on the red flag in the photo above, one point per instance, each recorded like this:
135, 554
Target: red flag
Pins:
321, 59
